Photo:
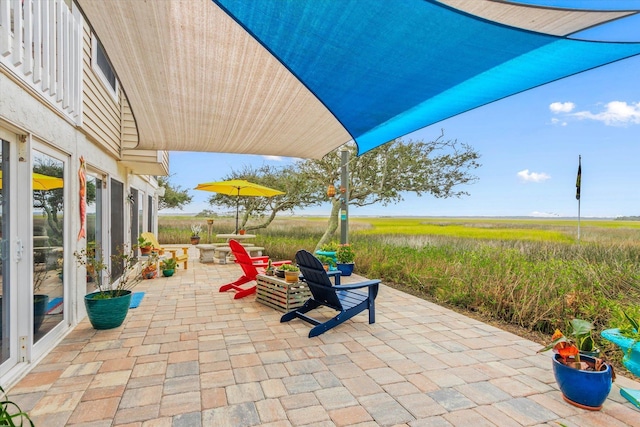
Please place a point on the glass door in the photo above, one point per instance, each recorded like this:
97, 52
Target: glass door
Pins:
48, 195
5, 255
96, 189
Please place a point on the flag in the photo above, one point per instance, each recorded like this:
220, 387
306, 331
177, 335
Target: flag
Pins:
579, 178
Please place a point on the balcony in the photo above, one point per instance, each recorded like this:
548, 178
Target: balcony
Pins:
41, 46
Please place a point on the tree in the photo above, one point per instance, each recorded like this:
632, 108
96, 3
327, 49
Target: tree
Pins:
174, 197
294, 186
385, 173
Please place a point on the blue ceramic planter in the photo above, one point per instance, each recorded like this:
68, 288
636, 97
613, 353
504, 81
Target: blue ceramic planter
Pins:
585, 389
345, 269
630, 348
331, 254
107, 313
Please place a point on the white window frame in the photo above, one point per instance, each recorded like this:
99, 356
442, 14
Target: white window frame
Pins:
96, 68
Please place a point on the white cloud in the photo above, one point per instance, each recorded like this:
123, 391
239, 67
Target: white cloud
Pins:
562, 107
559, 122
544, 214
527, 176
274, 158
615, 113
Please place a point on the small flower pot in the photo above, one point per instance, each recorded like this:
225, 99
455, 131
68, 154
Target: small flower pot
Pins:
145, 250
584, 389
291, 276
345, 269
168, 273
195, 240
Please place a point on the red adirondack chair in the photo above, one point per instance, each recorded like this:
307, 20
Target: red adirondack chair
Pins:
251, 267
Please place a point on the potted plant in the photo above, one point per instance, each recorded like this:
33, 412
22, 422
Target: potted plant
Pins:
109, 305
269, 270
40, 301
628, 339
328, 249
584, 381
10, 412
150, 266
291, 273
196, 229
345, 257
145, 246
327, 262
168, 267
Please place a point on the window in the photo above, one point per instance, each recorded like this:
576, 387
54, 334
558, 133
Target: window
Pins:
103, 68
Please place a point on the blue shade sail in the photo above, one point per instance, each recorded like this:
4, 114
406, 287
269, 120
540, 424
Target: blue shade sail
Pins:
388, 68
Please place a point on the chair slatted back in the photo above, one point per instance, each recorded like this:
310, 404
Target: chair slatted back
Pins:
317, 279
150, 237
243, 258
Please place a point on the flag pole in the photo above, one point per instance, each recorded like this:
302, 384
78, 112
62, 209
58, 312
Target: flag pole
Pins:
578, 184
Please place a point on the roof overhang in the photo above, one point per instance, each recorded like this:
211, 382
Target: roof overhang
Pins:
300, 78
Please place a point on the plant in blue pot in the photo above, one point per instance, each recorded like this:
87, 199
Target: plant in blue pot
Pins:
584, 381
345, 256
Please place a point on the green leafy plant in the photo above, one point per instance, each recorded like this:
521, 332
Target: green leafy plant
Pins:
329, 247
569, 347
100, 273
632, 329
345, 254
11, 414
288, 267
168, 264
324, 259
143, 243
580, 336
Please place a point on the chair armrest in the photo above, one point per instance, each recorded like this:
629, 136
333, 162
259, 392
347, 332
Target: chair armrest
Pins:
256, 259
365, 284
336, 276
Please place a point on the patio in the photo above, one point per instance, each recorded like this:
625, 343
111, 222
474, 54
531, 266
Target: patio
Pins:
192, 356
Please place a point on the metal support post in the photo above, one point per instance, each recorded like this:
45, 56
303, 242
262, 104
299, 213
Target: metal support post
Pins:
344, 196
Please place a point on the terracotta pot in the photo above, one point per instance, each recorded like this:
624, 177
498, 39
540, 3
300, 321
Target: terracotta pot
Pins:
291, 276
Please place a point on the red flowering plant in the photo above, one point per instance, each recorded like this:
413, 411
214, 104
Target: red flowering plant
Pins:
570, 348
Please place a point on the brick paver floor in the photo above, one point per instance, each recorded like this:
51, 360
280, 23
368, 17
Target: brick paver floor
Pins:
192, 356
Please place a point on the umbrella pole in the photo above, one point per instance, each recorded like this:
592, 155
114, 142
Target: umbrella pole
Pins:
237, 210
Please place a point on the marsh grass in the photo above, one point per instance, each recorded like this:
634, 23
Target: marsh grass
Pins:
530, 274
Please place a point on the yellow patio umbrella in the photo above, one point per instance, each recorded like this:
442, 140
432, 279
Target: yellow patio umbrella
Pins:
239, 187
42, 182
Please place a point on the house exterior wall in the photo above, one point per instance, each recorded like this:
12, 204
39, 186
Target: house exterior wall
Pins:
98, 129
101, 112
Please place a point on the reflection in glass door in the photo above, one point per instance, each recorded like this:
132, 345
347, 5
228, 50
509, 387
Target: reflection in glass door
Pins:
95, 227
4, 254
48, 243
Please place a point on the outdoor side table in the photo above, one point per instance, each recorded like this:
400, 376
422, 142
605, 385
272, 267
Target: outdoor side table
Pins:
277, 293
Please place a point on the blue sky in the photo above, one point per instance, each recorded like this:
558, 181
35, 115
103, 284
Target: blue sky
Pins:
529, 145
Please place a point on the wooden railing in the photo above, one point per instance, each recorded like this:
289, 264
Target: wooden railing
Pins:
41, 45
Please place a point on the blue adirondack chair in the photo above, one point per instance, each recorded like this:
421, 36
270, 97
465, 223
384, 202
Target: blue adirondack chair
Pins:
343, 298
